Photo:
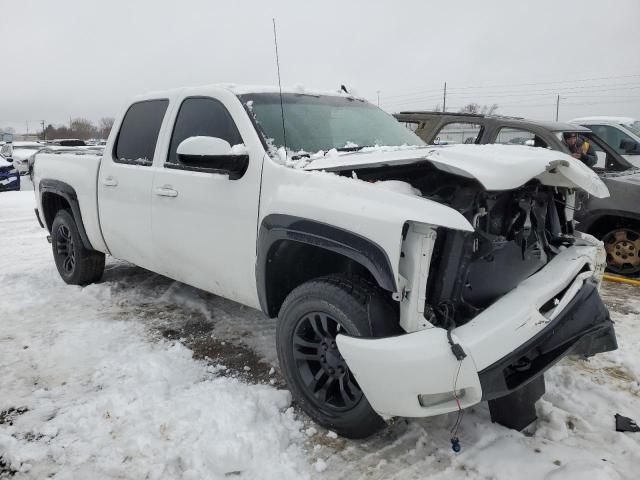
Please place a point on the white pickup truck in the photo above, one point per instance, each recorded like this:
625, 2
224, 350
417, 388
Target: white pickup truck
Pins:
408, 280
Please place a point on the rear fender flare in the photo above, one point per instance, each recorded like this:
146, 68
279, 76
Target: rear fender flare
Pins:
67, 192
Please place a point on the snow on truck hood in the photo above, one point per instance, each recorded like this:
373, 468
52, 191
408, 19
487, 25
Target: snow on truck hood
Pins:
496, 167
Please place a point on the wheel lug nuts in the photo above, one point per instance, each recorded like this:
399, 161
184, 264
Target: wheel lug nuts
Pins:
341, 369
332, 370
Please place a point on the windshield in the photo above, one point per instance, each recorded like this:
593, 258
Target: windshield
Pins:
321, 123
633, 127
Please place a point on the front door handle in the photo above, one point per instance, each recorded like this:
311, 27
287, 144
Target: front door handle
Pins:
166, 191
110, 181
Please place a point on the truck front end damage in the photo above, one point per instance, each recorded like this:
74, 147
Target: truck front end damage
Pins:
485, 312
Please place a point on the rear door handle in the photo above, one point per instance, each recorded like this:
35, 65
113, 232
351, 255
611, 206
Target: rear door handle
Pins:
110, 181
166, 191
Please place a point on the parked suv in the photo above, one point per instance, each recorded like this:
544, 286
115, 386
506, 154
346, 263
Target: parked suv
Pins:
407, 280
614, 220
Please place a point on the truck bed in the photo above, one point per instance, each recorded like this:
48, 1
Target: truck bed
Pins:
79, 171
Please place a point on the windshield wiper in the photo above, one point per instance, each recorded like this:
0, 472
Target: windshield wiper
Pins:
351, 149
298, 156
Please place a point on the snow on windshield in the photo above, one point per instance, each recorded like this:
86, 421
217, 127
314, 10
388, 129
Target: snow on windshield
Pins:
318, 125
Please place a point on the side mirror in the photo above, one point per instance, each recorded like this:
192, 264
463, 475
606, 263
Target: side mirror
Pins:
629, 146
213, 154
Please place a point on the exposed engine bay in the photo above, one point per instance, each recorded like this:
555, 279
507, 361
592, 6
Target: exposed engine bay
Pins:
516, 233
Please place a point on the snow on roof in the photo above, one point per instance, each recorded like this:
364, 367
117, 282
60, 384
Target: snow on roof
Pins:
26, 144
616, 120
237, 89
299, 89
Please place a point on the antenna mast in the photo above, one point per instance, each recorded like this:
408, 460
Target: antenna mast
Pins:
284, 132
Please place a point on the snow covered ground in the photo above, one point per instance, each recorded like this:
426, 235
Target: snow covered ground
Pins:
142, 377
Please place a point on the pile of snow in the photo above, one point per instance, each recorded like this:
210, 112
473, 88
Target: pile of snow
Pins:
103, 400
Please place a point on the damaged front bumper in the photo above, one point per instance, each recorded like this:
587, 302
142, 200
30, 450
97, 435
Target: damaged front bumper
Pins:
553, 313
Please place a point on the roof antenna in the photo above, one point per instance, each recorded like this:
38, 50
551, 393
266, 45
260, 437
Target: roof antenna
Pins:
284, 132
344, 89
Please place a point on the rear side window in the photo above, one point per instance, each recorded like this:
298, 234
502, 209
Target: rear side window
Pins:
517, 136
459, 132
136, 142
413, 126
202, 116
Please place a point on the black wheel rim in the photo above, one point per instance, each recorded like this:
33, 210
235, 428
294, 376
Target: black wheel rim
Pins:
324, 373
65, 249
623, 251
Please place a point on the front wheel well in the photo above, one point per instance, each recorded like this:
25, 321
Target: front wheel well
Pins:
291, 263
607, 223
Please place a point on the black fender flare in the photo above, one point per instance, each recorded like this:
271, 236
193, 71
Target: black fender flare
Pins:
67, 192
277, 227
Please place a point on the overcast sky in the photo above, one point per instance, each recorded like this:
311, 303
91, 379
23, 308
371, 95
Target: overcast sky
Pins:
85, 58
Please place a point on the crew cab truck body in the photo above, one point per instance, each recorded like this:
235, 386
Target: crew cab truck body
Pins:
408, 280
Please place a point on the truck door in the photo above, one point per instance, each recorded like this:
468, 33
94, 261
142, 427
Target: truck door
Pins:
204, 223
125, 181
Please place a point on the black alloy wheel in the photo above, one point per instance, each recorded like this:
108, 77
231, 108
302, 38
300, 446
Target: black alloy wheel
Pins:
320, 381
66, 249
323, 371
76, 264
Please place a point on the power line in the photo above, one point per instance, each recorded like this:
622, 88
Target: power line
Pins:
507, 85
530, 93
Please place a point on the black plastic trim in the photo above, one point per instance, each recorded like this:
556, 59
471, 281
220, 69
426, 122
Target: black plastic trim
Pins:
67, 192
278, 227
233, 165
38, 217
582, 328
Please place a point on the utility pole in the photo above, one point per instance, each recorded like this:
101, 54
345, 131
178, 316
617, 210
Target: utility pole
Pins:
557, 106
378, 92
44, 132
444, 100
27, 122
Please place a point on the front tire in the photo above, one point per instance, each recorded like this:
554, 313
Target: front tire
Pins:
317, 375
623, 251
76, 264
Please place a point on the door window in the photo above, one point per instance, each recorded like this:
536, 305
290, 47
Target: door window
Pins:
606, 157
616, 139
458, 132
518, 136
202, 116
136, 142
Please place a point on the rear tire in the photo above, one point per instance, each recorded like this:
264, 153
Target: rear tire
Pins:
317, 375
76, 264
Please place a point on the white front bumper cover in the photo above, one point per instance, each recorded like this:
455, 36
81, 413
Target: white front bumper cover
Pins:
394, 372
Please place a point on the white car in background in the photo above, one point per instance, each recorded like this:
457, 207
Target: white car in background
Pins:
621, 133
21, 153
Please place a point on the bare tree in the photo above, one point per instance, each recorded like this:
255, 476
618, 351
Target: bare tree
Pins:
8, 130
104, 126
476, 108
83, 128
